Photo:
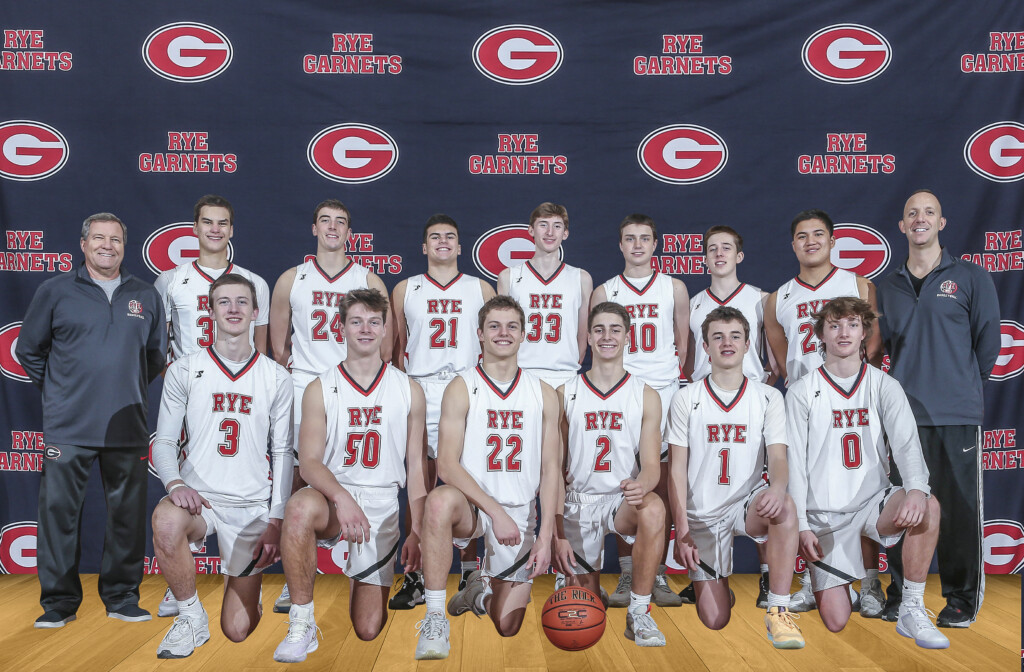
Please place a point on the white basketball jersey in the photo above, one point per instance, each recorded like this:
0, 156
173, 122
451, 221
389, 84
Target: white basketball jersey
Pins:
726, 433
317, 336
604, 434
367, 429
228, 416
552, 316
795, 302
502, 447
185, 290
747, 300
651, 352
441, 322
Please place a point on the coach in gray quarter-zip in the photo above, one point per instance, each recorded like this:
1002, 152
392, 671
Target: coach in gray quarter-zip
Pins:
940, 326
92, 341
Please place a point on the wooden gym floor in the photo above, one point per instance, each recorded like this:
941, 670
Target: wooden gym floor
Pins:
95, 642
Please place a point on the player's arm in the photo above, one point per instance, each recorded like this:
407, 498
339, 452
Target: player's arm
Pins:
280, 325
900, 428
797, 418
387, 346
678, 484
416, 475
771, 364
401, 333
680, 318
771, 503
776, 335
691, 356
486, 291
649, 450
552, 481
268, 547
503, 282
36, 336
586, 290
985, 327
156, 346
162, 285
561, 550
173, 406
599, 296
874, 343
312, 446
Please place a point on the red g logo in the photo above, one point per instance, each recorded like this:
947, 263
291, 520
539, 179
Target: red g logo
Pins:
173, 245
503, 246
846, 54
18, 548
352, 153
517, 55
860, 249
9, 364
996, 152
187, 52
30, 150
1010, 362
682, 154
1003, 546
331, 560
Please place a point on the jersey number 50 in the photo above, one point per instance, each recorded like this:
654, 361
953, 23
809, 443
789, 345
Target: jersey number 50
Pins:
370, 445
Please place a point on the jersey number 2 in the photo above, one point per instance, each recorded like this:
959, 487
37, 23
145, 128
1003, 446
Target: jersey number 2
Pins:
604, 445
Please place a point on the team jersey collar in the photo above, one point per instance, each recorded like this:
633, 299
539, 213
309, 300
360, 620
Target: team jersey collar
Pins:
329, 278
224, 368
814, 288
727, 299
494, 388
718, 400
201, 272
537, 274
604, 395
837, 387
642, 290
365, 391
437, 284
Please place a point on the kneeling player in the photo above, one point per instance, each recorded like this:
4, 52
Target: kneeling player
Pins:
610, 417
720, 429
498, 446
839, 418
236, 404
361, 435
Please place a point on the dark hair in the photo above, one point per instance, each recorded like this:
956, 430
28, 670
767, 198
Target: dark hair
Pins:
722, 228
637, 218
548, 209
608, 307
812, 214
371, 298
234, 279
725, 314
500, 302
215, 201
837, 309
439, 218
334, 204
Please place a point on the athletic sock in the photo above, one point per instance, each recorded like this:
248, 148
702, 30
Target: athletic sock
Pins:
303, 611
626, 564
434, 599
778, 600
639, 603
192, 606
913, 592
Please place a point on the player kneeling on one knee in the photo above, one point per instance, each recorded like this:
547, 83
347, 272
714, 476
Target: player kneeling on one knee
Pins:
720, 430
844, 419
236, 405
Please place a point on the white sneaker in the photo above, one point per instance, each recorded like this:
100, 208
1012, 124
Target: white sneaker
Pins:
283, 603
186, 634
300, 640
642, 629
803, 599
559, 581
433, 643
915, 622
872, 599
168, 605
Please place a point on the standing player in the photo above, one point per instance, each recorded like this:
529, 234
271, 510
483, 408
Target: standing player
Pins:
361, 436
843, 420
659, 308
498, 448
236, 404
721, 429
610, 417
434, 321
306, 332
790, 330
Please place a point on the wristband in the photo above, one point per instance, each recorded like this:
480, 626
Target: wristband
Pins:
175, 487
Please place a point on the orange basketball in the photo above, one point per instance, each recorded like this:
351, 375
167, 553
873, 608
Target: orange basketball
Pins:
573, 618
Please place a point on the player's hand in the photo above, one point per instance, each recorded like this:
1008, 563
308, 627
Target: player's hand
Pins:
912, 511
188, 499
810, 548
411, 556
771, 502
268, 546
540, 557
506, 531
562, 556
351, 519
633, 491
685, 550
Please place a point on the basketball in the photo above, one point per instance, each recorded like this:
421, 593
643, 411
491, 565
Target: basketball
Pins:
573, 618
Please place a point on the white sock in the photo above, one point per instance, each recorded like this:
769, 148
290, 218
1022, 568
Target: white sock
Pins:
481, 599
871, 578
468, 566
301, 611
434, 599
626, 564
778, 600
639, 603
913, 592
190, 606
764, 568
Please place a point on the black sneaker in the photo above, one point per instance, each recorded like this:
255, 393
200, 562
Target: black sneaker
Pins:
689, 594
409, 595
465, 576
54, 619
952, 617
130, 613
891, 612
762, 591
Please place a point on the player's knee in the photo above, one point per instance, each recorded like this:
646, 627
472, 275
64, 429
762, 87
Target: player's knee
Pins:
934, 510
509, 629
438, 507
714, 621
168, 532
652, 513
238, 632
833, 623
367, 632
300, 510
788, 516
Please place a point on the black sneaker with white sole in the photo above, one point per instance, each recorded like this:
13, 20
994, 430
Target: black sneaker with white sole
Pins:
54, 619
130, 613
409, 595
952, 617
762, 591
689, 594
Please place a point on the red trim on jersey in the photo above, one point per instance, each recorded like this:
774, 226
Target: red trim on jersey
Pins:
603, 395
437, 284
195, 265
815, 288
328, 278
227, 372
365, 391
728, 298
495, 388
537, 275
640, 292
721, 404
835, 386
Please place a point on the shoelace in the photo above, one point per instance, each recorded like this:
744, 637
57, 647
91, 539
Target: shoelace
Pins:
643, 623
432, 625
626, 582
179, 627
659, 580
788, 617
297, 630
922, 615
